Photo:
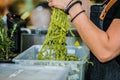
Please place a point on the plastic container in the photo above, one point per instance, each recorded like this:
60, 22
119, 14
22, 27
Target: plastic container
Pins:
20, 72
29, 57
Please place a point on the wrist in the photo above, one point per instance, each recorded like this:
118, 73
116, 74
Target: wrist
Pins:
75, 10
71, 4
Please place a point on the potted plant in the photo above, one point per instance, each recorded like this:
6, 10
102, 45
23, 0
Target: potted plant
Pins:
6, 43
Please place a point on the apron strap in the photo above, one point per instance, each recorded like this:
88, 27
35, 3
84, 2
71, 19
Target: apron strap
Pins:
106, 9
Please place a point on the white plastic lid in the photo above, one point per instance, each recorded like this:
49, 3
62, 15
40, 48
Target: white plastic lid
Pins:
18, 72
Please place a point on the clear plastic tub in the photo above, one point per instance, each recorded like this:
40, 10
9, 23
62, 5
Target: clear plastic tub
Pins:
29, 57
20, 72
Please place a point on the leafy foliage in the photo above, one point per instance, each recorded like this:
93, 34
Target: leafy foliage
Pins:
6, 44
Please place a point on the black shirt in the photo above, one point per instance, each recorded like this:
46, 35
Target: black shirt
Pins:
111, 69
113, 13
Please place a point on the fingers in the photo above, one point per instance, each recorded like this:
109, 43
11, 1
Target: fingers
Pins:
56, 3
49, 0
51, 4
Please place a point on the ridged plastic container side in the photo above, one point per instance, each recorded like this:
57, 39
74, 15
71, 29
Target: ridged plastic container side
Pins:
29, 57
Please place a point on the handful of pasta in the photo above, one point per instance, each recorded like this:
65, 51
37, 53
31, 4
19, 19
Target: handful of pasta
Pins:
54, 47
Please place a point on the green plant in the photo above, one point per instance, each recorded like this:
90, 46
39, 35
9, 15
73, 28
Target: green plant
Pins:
6, 43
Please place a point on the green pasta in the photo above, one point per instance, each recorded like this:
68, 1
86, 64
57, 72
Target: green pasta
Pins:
54, 47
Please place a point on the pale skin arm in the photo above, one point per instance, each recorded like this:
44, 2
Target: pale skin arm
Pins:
104, 45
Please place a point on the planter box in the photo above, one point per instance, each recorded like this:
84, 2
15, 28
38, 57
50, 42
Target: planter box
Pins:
5, 61
8, 60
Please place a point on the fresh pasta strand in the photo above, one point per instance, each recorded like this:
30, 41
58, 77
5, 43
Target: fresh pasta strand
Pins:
54, 47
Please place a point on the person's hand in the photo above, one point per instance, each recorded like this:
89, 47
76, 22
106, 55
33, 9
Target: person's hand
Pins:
61, 4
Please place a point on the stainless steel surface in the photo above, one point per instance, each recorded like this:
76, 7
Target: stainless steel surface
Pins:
26, 30
37, 37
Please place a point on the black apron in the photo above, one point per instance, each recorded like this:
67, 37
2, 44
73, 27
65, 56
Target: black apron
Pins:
111, 69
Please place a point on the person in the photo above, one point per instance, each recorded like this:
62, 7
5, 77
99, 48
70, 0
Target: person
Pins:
40, 16
96, 1
4, 9
104, 44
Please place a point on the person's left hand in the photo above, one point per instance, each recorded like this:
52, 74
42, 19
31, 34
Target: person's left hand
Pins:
61, 4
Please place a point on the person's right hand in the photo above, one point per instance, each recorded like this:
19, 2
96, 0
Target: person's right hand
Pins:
61, 4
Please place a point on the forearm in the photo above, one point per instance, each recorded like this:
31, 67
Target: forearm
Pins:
96, 39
